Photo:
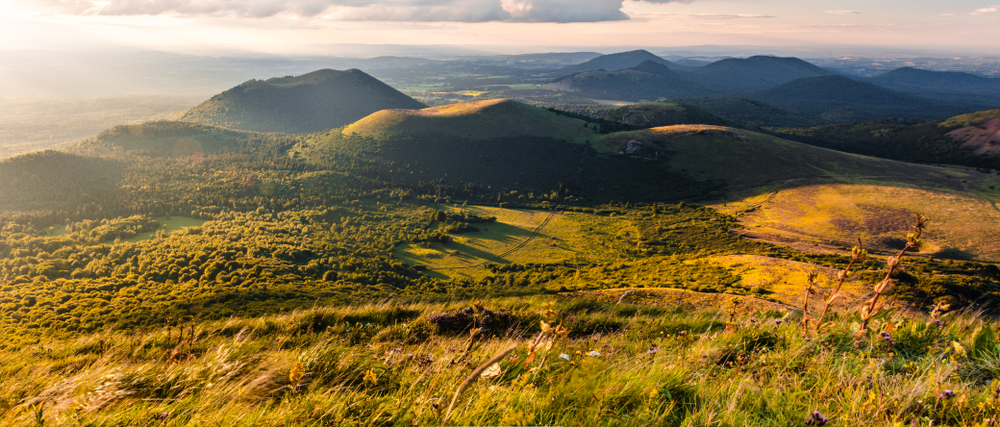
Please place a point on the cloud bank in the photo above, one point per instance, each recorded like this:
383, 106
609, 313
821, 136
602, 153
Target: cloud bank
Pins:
559, 11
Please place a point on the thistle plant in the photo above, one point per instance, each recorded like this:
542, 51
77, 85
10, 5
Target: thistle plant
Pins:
872, 309
858, 253
810, 285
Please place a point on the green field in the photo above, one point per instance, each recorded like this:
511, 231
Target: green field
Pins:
518, 237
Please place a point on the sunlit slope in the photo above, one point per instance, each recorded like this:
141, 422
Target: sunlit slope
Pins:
814, 198
495, 118
980, 131
525, 152
51, 179
311, 102
180, 139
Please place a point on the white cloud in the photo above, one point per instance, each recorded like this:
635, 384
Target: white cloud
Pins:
718, 16
455, 11
985, 10
560, 11
843, 12
565, 10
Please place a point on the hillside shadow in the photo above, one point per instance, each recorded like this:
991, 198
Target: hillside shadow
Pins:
500, 233
477, 253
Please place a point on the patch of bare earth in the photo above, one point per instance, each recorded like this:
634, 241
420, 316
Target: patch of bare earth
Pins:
985, 138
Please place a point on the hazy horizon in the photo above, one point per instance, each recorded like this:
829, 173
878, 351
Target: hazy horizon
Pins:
297, 27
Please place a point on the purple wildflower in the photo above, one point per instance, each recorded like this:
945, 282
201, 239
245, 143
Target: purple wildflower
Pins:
161, 416
777, 321
653, 350
939, 322
816, 419
947, 394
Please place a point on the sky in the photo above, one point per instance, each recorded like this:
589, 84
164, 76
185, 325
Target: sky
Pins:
518, 26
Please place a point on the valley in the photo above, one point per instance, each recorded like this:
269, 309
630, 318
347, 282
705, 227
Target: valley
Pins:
319, 249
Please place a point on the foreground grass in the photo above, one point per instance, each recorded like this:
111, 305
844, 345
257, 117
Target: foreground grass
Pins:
618, 364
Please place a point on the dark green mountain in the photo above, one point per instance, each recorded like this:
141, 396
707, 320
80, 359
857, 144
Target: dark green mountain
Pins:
647, 81
833, 96
311, 102
615, 62
755, 73
752, 113
50, 179
951, 86
968, 139
659, 114
181, 139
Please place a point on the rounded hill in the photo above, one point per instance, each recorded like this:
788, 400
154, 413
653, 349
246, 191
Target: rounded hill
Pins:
311, 102
495, 118
658, 114
818, 95
181, 139
48, 179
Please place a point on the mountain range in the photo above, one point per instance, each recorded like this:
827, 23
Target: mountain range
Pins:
788, 83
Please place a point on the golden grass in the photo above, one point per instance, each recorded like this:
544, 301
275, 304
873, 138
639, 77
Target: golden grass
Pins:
837, 214
493, 118
783, 280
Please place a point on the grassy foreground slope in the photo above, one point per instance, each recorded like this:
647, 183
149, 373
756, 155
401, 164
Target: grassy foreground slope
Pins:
631, 358
311, 102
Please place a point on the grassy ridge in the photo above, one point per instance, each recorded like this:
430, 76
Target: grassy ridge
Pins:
627, 359
495, 118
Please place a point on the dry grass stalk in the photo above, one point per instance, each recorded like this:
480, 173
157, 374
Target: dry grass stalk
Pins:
472, 378
872, 307
858, 253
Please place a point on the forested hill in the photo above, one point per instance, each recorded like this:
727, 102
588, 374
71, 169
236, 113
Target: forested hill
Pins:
648, 81
833, 96
755, 73
752, 113
311, 102
657, 114
968, 139
615, 62
181, 139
